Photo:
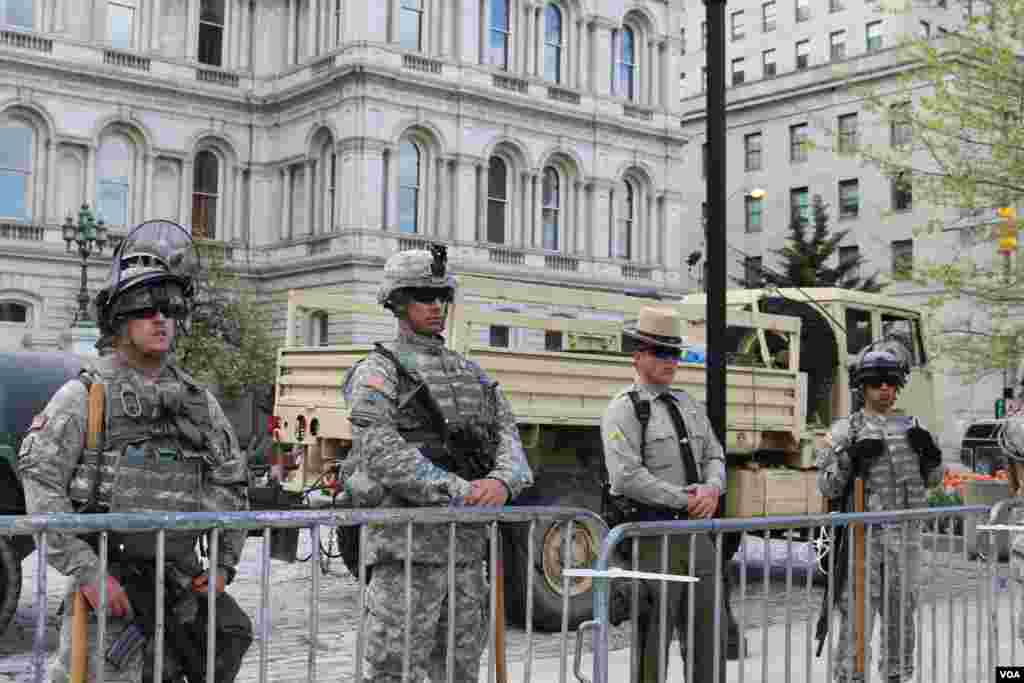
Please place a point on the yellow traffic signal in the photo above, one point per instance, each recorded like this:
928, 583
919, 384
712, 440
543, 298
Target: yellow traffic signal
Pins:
1008, 230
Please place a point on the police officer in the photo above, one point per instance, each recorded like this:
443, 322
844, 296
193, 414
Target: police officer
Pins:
166, 446
898, 460
664, 459
429, 428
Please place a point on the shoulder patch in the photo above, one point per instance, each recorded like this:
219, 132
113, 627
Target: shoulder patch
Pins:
616, 436
38, 422
375, 381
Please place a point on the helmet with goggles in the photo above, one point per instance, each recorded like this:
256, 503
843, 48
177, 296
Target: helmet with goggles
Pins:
887, 361
152, 270
420, 275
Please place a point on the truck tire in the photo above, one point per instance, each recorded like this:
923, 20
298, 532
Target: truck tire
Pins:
547, 573
10, 583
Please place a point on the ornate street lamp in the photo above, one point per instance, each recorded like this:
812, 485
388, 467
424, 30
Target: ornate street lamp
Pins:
87, 234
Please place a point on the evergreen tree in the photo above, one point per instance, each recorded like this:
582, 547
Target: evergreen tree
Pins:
806, 258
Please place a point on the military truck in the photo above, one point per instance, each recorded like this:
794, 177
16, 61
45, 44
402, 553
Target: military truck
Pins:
787, 356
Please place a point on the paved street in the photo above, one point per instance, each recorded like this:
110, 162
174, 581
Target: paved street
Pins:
288, 652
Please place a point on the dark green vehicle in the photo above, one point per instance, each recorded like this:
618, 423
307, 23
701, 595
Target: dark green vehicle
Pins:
27, 381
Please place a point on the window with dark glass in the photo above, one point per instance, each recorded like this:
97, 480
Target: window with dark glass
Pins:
551, 208
11, 312
682, 41
850, 254
768, 16
499, 336
211, 32
902, 192
798, 143
17, 14
737, 71
803, 54
837, 45
408, 187
553, 44
800, 205
410, 24
497, 200
847, 133
553, 340
736, 25
768, 63
858, 330
115, 165
627, 63
15, 170
204, 195
902, 258
752, 152
873, 35
849, 198
753, 267
754, 212
624, 238
499, 34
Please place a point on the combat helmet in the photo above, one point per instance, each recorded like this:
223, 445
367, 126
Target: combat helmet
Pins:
888, 358
416, 268
153, 268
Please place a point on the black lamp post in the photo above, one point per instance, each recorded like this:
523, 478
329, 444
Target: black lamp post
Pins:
87, 234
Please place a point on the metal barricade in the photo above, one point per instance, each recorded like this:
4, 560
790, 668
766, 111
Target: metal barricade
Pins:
953, 614
214, 524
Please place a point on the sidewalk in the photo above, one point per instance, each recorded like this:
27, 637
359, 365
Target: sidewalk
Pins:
957, 655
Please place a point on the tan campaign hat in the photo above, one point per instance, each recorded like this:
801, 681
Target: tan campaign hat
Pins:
658, 327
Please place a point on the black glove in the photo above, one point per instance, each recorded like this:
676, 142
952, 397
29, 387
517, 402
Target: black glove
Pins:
923, 443
862, 452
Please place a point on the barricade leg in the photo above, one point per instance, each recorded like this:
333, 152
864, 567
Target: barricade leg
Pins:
903, 561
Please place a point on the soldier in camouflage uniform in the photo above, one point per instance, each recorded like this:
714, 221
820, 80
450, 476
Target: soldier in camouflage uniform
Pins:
166, 446
898, 460
413, 402
1012, 441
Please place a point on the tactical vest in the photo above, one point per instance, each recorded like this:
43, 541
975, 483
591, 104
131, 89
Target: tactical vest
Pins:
894, 480
151, 454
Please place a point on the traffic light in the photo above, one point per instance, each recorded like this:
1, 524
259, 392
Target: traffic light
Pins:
1008, 230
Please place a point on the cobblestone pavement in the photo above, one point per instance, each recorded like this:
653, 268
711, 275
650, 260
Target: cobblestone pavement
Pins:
288, 651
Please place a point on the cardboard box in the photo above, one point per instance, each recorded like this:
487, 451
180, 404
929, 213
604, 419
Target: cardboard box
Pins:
817, 504
785, 492
745, 496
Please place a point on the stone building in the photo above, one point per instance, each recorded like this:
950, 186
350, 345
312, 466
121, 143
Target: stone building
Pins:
553, 141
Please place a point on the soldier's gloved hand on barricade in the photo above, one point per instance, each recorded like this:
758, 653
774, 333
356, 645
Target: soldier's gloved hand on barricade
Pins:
863, 451
487, 492
924, 445
702, 500
117, 598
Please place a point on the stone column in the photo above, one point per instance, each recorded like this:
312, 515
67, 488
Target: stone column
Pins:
50, 212
236, 207
286, 202
149, 195
230, 26
536, 207
443, 29
467, 204
441, 225
185, 209
601, 201
579, 240
601, 69
538, 40
513, 233
584, 62
485, 25
481, 201
339, 185
308, 202
155, 11
566, 222
650, 229
311, 31
529, 38
192, 31
652, 74
292, 23
523, 226
373, 189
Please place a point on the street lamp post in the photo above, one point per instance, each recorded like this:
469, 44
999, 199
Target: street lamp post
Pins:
87, 234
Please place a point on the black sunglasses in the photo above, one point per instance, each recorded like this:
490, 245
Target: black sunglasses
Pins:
149, 312
428, 295
663, 353
876, 382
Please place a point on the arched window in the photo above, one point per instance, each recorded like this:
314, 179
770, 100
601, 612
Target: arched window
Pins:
410, 25
13, 312
553, 43
552, 205
408, 187
204, 195
626, 60
497, 200
115, 167
624, 238
15, 169
17, 13
499, 34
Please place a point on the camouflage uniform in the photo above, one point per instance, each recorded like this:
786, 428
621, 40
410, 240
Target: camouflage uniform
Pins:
390, 438
893, 482
166, 445
1012, 441
657, 477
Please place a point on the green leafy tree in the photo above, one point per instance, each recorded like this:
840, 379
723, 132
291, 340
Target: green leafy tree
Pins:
955, 136
229, 345
807, 255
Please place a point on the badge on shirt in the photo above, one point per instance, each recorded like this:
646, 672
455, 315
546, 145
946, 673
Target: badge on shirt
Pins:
38, 422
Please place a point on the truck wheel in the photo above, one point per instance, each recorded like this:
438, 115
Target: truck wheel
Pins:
547, 573
10, 583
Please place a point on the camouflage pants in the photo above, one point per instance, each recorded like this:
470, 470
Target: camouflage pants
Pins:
428, 627
892, 573
60, 668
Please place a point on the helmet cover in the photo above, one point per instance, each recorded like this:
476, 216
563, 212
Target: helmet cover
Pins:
416, 268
